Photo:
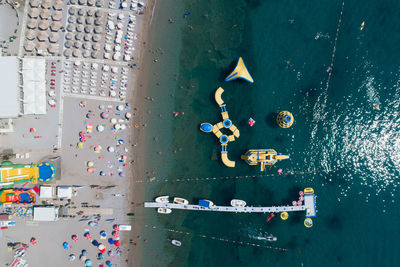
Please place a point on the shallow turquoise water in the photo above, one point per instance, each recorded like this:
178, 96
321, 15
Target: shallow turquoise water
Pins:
340, 145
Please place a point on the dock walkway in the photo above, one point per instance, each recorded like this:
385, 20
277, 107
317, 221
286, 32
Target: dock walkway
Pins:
309, 207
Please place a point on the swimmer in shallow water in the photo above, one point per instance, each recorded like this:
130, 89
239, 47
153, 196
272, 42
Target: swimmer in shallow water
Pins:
377, 107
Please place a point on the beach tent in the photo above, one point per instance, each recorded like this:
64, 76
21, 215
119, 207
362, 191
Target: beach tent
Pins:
45, 213
34, 86
46, 191
64, 192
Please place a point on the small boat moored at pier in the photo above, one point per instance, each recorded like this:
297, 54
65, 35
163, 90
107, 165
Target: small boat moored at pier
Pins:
164, 210
238, 203
206, 203
162, 199
179, 200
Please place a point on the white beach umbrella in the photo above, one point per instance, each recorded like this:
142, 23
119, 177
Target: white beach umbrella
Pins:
77, 63
68, 44
117, 48
107, 56
72, 10
113, 121
77, 53
79, 28
95, 54
86, 53
72, 19
82, 2
77, 44
81, 12
121, 16
120, 107
90, 13
87, 46
90, 2
96, 46
100, 128
73, 2
99, 3
119, 25
110, 149
67, 52
88, 29
98, 14
33, 12
112, 93
69, 36
123, 126
127, 57
98, 29
80, 20
29, 46
106, 68
79, 36
71, 27
116, 56
114, 70
95, 66
107, 47
87, 37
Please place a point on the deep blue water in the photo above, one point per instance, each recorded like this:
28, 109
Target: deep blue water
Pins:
344, 142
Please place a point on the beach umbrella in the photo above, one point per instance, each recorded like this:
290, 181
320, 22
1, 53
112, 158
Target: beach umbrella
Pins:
115, 233
71, 27
34, 3
100, 256
128, 115
113, 93
90, 2
44, 25
73, 2
113, 121
84, 252
32, 23
80, 20
82, 257
86, 53
127, 57
119, 25
98, 22
97, 36
89, 20
68, 44
95, 243
72, 10
98, 14
45, 14
90, 163
121, 142
121, 16
88, 29
119, 107
90, 170
117, 243
111, 241
29, 46
97, 149
103, 234
57, 15
80, 145
76, 53
110, 149
100, 128
82, 2
87, 37
108, 263
99, 3
101, 247
107, 47
69, 36
116, 227
53, 37
74, 238
72, 19
33, 12
116, 56
88, 263
104, 114
81, 12
65, 245
79, 36
102, 173
94, 54
58, 5
121, 174
79, 28
30, 34
72, 257
117, 126
88, 237
55, 26
46, 4
52, 48
114, 70
42, 36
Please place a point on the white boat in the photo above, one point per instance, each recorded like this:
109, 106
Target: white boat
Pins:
238, 203
164, 210
162, 199
179, 200
176, 243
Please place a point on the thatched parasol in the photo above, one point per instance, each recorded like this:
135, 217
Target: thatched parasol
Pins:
53, 48
54, 37
32, 23
88, 29
34, 3
68, 52
72, 11
29, 46
57, 15
33, 12
46, 4
58, 5
44, 25
30, 34
68, 44
41, 46
42, 36
55, 26
77, 53
45, 14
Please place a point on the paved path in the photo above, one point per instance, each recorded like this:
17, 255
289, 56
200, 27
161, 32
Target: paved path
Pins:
93, 97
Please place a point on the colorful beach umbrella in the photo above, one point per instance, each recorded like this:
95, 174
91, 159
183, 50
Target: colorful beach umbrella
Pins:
117, 243
108, 263
74, 238
103, 234
111, 241
115, 234
116, 227
79, 145
65, 245
87, 236
88, 263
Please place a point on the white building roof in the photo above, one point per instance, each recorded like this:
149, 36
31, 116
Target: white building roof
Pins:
34, 84
9, 90
64, 192
46, 191
47, 214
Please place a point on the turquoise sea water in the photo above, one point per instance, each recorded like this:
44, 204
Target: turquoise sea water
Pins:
340, 145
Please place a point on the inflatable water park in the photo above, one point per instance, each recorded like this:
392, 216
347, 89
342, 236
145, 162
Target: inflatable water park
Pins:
17, 196
263, 157
11, 174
